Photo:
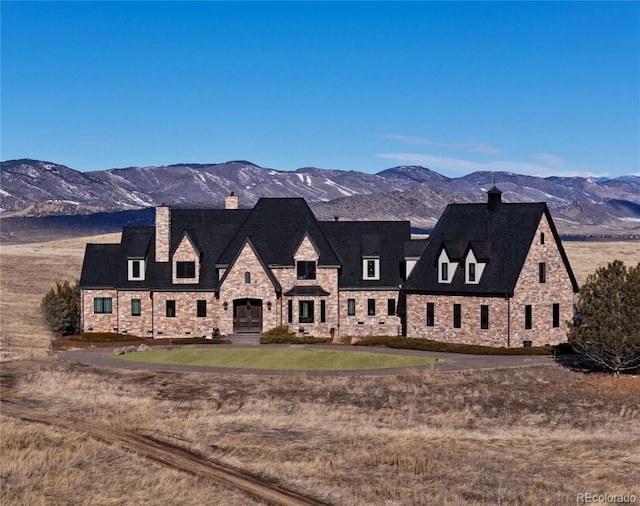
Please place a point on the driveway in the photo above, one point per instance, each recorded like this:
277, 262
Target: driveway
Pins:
449, 362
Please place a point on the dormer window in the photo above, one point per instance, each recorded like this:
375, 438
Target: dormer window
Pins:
472, 272
370, 268
136, 268
473, 269
444, 271
185, 270
306, 269
446, 268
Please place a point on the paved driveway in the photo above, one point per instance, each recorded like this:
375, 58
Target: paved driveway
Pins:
449, 362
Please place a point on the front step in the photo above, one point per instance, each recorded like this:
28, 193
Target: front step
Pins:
248, 339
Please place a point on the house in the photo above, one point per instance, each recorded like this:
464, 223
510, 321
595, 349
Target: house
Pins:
222, 271
493, 274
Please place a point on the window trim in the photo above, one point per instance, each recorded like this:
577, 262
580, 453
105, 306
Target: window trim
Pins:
391, 307
431, 314
351, 307
542, 272
100, 305
141, 266
373, 261
306, 270
136, 307
555, 315
310, 318
371, 307
484, 317
528, 317
457, 316
183, 269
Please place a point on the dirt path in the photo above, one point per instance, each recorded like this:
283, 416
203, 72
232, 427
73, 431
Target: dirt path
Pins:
169, 455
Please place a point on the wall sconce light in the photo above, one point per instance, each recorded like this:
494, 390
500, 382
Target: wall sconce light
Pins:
269, 305
225, 305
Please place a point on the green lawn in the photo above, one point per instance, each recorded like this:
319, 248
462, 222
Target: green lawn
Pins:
290, 359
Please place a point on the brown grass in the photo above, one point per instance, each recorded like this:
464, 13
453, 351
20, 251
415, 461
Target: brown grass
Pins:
529, 436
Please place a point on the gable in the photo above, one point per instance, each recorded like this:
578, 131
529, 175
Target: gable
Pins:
500, 236
248, 261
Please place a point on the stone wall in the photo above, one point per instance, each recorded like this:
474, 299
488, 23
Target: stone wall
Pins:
103, 322
363, 325
506, 317
186, 322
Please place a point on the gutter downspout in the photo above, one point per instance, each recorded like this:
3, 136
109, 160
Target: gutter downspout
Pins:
508, 320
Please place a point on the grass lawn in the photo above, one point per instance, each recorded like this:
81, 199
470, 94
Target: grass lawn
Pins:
290, 359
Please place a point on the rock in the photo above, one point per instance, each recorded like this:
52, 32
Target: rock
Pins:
144, 347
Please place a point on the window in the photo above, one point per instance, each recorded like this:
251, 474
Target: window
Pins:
556, 315
102, 305
472, 273
370, 268
371, 307
136, 307
290, 311
201, 308
444, 271
171, 308
457, 316
430, 314
541, 237
306, 311
136, 270
528, 317
306, 270
247, 277
351, 307
391, 307
185, 269
323, 311
484, 317
542, 272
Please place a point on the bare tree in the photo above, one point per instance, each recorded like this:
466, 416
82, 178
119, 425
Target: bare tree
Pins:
606, 327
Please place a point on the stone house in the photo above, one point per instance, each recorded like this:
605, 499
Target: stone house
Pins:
493, 274
198, 272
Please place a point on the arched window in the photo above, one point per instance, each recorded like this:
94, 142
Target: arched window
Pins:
247, 277
541, 237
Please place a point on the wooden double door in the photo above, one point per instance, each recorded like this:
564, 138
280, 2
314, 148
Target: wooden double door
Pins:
247, 315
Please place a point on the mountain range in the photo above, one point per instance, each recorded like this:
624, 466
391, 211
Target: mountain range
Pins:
32, 190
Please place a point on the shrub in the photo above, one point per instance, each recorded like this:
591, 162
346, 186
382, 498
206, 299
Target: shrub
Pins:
606, 328
61, 308
104, 337
282, 335
411, 343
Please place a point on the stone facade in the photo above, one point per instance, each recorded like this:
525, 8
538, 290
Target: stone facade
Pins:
506, 315
361, 324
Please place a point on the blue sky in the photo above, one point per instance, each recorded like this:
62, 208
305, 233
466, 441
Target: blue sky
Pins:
542, 88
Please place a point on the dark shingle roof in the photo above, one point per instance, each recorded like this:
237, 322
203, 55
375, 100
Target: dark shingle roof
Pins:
500, 237
355, 239
276, 227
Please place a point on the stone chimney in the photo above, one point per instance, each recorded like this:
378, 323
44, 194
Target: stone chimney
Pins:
494, 198
231, 202
163, 232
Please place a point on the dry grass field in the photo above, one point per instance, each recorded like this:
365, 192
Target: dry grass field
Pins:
526, 436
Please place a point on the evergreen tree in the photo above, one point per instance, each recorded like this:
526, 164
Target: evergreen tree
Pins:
606, 327
61, 308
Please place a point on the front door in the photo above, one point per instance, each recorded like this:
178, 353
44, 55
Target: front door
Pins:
247, 315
